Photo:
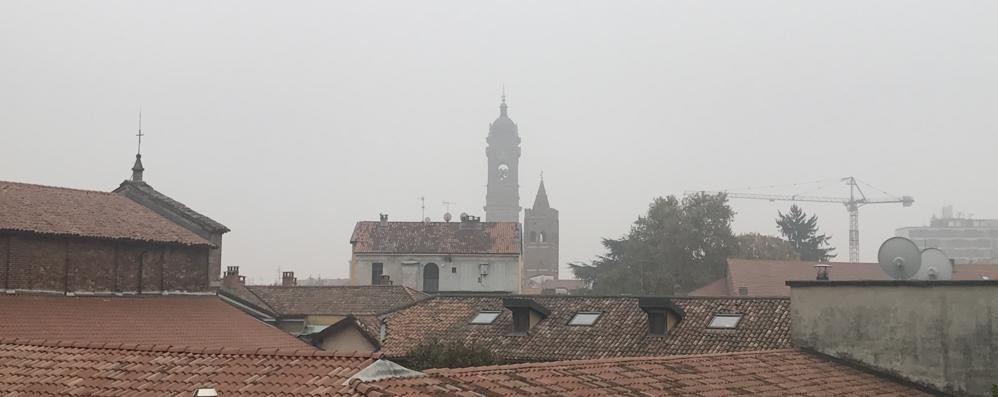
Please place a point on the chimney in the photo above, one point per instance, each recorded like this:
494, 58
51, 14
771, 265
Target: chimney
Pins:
232, 277
385, 280
526, 314
663, 315
288, 279
384, 219
822, 270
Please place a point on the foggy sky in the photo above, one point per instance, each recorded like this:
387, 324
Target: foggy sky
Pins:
290, 121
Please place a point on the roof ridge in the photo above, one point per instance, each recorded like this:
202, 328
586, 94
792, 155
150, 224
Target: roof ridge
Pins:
598, 361
262, 351
55, 187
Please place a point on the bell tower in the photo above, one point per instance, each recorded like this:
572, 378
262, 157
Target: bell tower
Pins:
540, 233
502, 200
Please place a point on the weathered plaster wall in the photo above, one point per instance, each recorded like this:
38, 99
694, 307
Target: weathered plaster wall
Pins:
944, 335
457, 272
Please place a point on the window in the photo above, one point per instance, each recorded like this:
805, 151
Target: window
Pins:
542, 237
485, 317
377, 269
725, 321
584, 318
453, 269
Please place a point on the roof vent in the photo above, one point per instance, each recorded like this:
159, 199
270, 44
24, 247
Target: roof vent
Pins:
663, 315
383, 219
526, 314
822, 271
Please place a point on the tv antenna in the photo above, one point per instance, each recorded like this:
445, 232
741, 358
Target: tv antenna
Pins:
422, 207
900, 258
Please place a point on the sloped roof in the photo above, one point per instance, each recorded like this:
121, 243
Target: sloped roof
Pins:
35, 368
85, 213
769, 277
335, 300
436, 238
174, 205
175, 320
620, 331
765, 373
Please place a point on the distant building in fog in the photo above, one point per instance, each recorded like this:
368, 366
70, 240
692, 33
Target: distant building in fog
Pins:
964, 239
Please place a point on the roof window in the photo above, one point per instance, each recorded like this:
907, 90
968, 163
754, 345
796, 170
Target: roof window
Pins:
485, 317
725, 321
584, 318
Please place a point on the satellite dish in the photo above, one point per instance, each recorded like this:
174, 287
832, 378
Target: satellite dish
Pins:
447, 217
935, 265
900, 258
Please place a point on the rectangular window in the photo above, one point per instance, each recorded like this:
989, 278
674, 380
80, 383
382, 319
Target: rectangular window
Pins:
485, 317
725, 321
377, 269
584, 318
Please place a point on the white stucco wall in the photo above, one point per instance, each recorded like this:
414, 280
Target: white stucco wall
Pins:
457, 272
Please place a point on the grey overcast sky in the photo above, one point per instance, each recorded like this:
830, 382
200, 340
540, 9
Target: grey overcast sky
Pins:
290, 121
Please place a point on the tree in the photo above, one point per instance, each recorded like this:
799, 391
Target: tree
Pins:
435, 353
761, 246
802, 233
679, 245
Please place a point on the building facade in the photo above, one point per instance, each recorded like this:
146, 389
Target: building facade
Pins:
965, 240
55, 239
469, 255
142, 193
540, 245
502, 200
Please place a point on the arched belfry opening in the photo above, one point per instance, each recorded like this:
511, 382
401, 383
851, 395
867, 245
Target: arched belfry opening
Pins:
431, 277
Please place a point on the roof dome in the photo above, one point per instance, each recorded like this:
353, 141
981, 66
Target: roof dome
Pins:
503, 124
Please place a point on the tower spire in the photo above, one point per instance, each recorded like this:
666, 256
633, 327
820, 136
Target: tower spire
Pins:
502, 106
541, 201
137, 169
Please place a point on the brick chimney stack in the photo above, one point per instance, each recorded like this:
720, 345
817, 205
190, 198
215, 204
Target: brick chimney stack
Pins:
288, 279
232, 278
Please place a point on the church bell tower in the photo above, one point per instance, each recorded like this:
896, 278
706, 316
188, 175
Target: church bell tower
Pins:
502, 201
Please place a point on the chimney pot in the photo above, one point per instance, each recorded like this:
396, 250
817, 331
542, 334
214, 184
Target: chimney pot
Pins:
383, 219
822, 271
288, 279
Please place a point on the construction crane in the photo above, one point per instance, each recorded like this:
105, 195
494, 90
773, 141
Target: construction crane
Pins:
852, 203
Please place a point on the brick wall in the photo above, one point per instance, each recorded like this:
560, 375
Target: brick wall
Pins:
33, 262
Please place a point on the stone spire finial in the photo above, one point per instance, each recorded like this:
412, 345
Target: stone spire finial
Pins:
137, 168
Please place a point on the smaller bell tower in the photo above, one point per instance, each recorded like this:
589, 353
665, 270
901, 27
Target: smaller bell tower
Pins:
540, 233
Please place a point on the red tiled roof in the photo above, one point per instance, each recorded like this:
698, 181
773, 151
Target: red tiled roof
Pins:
335, 300
187, 321
33, 368
769, 277
767, 373
621, 330
436, 238
85, 213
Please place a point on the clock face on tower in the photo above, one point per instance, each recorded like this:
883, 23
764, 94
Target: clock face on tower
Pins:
502, 172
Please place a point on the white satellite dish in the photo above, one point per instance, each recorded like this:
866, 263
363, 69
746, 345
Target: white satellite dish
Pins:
935, 266
900, 258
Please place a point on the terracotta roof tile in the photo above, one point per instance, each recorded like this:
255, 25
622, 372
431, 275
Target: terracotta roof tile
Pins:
164, 321
335, 300
48, 370
767, 373
175, 205
436, 238
620, 331
85, 213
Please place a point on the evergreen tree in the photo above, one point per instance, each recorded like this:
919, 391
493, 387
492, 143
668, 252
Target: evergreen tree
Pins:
802, 233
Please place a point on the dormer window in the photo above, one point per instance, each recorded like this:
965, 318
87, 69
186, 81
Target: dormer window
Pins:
584, 318
485, 317
725, 321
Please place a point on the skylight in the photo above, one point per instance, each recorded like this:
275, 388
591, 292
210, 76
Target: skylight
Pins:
725, 321
584, 318
485, 317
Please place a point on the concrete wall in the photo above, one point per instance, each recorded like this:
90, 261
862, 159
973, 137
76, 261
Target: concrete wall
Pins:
457, 272
62, 264
940, 333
